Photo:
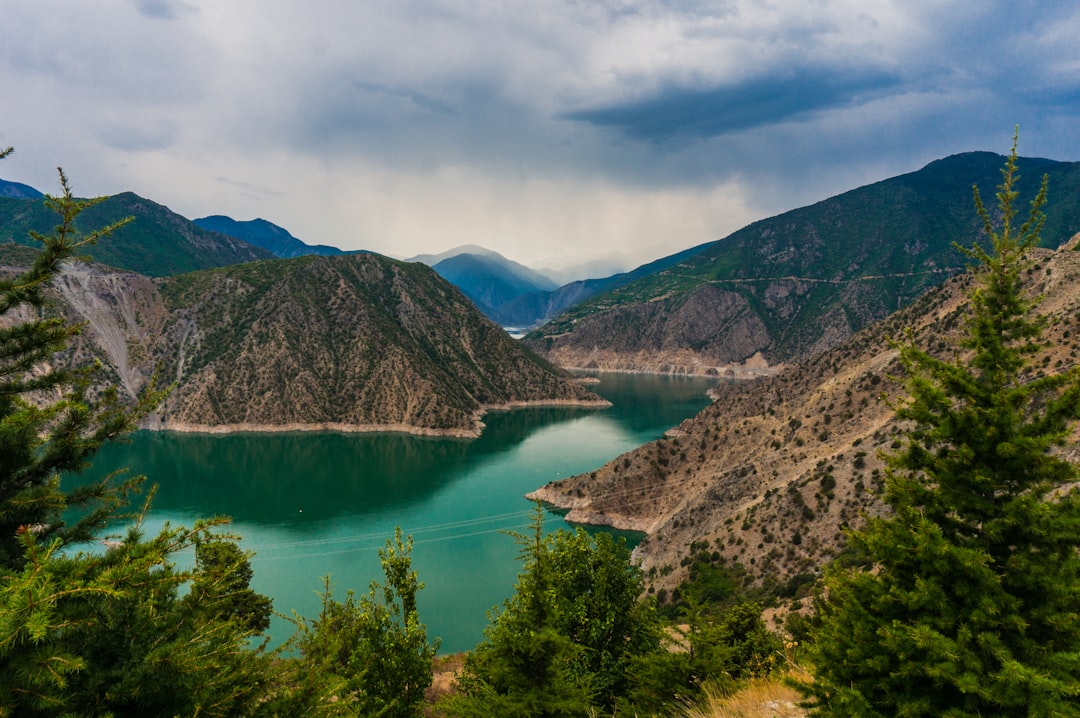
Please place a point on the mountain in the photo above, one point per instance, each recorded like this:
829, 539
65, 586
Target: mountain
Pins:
529, 310
432, 259
351, 342
799, 283
267, 235
18, 190
158, 242
489, 279
772, 471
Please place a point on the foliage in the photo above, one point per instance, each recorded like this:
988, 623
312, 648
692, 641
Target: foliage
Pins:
973, 607
718, 646
563, 645
107, 634
221, 582
50, 420
94, 633
371, 655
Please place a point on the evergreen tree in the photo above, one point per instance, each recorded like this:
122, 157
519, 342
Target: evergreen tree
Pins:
973, 606
222, 584
368, 656
52, 420
108, 634
565, 643
91, 633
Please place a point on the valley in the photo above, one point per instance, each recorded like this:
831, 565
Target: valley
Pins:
792, 316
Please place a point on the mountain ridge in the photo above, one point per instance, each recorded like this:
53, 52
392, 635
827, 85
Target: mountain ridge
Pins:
772, 471
802, 281
158, 242
349, 343
262, 233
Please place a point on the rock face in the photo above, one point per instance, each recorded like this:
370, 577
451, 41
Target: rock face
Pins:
772, 471
353, 342
709, 332
800, 283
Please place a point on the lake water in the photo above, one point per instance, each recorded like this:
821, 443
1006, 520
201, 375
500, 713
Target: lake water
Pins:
312, 504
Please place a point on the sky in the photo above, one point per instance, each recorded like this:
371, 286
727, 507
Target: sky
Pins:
551, 131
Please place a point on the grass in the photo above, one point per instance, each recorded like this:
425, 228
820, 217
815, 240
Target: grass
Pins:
768, 697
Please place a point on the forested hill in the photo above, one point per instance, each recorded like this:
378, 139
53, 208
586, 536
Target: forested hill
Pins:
799, 283
157, 242
353, 342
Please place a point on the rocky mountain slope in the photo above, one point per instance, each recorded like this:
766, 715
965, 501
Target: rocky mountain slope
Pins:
157, 243
353, 342
772, 471
802, 282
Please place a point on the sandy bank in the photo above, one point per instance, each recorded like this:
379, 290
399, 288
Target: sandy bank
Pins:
156, 423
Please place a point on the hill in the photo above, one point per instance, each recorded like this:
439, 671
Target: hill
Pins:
352, 342
18, 190
158, 242
797, 284
261, 233
772, 471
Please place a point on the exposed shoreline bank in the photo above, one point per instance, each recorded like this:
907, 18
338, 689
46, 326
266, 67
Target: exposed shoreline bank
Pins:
155, 423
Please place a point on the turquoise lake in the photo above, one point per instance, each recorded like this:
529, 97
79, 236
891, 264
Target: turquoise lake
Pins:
312, 504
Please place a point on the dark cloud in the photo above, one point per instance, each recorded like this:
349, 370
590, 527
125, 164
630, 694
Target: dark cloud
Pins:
709, 112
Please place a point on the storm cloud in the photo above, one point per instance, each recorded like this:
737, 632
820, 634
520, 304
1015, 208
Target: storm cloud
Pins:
549, 131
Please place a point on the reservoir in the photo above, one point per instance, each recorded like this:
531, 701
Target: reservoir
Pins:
312, 504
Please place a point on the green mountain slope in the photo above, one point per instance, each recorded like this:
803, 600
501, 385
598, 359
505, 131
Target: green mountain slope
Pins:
267, 235
798, 283
158, 242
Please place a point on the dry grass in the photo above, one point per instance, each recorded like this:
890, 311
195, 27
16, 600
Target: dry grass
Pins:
761, 698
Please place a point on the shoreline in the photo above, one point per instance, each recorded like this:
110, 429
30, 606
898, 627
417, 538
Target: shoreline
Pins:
154, 423
672, 364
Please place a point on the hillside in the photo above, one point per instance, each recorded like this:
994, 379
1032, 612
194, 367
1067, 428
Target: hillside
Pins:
772, 471
261, 233
353, 343
18, 190
157, 243
802, 282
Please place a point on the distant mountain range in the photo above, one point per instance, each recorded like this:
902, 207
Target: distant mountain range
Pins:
514, 295
794, 285
17, 190
267, 235
158, 242
487, 278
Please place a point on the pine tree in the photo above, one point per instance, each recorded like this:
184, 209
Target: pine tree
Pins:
51, 421
100, 633
973, 605
367, 656
565, 643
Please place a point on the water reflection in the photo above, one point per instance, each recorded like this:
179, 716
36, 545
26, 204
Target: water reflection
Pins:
311, 504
